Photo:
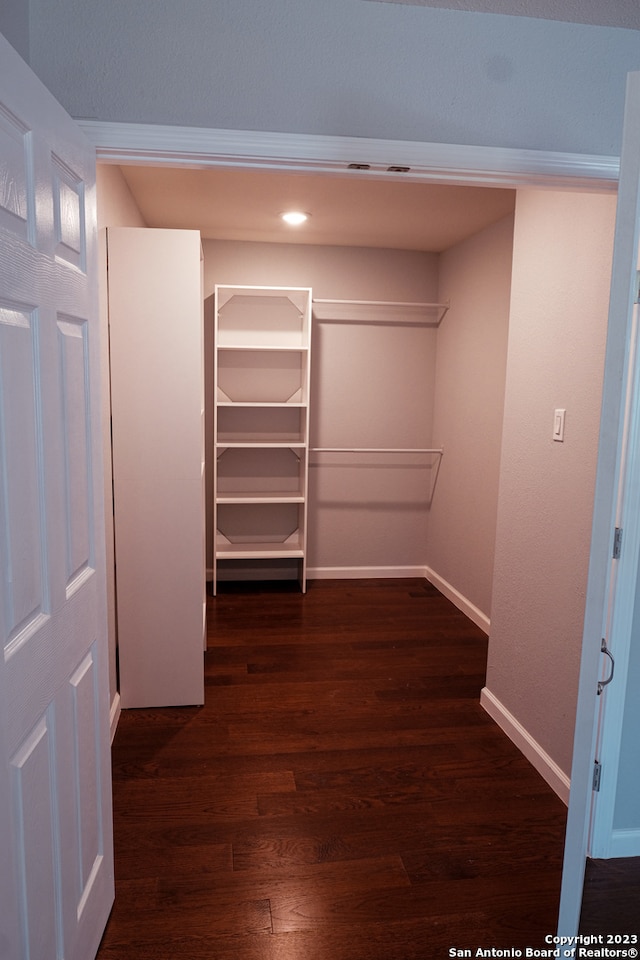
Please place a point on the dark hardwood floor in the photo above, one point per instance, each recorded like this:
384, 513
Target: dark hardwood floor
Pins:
611, 898
341, 796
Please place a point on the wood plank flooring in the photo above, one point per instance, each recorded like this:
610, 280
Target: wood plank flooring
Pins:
341, 795
611, 898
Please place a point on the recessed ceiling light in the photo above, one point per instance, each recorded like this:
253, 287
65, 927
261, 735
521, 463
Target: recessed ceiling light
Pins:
294, 217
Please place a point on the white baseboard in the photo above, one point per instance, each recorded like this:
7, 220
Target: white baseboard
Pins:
459, 600
539, 758
114, 715
480, 619
363, 573
625, 843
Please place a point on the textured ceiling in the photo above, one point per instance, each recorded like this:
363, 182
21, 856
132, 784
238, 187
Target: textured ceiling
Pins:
345, 211
605, 13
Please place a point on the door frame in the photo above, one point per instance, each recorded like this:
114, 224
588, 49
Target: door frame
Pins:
193, 147
198, 147
611, 584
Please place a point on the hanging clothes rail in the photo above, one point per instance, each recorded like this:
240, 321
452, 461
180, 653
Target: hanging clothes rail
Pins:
434, 465
391, 313
379, 311
435, 450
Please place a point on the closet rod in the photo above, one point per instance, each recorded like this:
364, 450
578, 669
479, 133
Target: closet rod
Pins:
378, 303
378, 311
437, 450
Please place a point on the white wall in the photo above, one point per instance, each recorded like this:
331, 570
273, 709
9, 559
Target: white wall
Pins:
621, 13
627, 807
116, 205
371, 386
14, 24
339, 67
559, 300
475, 276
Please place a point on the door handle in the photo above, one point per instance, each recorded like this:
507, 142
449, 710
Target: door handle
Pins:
603, 683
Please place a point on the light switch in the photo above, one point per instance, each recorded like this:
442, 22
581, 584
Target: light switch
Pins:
558, 425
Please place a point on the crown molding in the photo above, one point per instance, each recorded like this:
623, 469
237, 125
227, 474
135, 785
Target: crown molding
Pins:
151, 144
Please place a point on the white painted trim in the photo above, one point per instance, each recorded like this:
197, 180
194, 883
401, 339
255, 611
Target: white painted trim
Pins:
363, 573
539, 758
114, 715
459, 600
625, 843
329, 573
154, 144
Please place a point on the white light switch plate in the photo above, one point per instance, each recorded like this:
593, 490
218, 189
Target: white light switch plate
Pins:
558, 425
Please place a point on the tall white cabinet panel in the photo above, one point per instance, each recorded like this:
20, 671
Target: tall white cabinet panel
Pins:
157, 390
261, 424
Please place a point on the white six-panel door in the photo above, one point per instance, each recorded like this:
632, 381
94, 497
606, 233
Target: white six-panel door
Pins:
56, 878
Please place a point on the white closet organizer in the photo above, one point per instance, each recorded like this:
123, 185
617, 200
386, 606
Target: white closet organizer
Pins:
261, 425
380, 312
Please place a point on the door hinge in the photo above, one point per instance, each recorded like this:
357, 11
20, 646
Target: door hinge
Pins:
617, 543
597, 775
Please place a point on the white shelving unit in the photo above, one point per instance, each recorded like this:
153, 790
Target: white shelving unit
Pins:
261, 424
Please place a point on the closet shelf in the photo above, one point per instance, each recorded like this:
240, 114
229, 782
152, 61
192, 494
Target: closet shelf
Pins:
259, 404
380, 311
266, 496
260, 549
263, 347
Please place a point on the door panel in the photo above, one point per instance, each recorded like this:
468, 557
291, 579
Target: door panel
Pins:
20, 531
73, 360
32, 768
56, 886
16, 199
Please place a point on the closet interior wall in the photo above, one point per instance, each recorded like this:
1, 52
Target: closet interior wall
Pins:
378, 385
475, 277
563, 244
371, 386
